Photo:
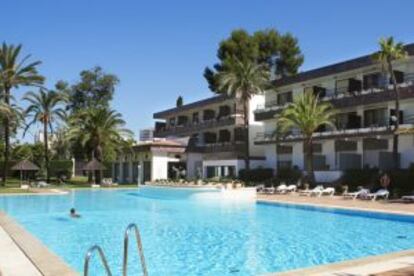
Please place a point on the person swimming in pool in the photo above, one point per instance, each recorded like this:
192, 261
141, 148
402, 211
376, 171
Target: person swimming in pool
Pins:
73, 213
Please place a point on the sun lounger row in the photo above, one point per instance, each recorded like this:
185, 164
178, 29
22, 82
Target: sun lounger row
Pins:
318, 191
281, 189
366, 194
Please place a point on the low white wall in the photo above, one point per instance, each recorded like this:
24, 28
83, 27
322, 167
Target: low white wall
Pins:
327, 176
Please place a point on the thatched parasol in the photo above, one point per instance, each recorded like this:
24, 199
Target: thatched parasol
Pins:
93, 166
24, 166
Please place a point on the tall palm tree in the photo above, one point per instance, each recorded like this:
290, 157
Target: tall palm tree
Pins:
44, 107
389, 52
307, 114
243, 80
14, 72
99, 129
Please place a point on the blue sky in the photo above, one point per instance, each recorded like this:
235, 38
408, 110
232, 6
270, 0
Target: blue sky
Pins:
159, 49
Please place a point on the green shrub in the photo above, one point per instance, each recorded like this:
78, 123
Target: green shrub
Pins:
10, 172
360, 177
256, 175
401, 180
289, 175
61, 168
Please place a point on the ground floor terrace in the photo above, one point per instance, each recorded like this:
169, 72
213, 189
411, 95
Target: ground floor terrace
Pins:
339, 152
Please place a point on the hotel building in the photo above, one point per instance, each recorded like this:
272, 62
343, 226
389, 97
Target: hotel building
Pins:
363, 98
214, 129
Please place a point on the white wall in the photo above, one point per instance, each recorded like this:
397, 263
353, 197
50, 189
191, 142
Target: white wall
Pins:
270, 154
255, 126
406, 148
192, 160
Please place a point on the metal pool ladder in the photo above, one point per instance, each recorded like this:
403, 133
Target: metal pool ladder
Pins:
94, 248
103, 260
134, 227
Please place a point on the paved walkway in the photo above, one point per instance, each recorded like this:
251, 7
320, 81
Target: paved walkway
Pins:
13, 262
338, 201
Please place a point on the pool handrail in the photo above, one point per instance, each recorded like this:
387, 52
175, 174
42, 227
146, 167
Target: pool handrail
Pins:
88, 256
134, 227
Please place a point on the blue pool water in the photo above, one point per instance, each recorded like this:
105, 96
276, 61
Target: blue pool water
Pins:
187, 232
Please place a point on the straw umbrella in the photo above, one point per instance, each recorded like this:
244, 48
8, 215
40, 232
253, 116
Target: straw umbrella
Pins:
93, 166
24, 166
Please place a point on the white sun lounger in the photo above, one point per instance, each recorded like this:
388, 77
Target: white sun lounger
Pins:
281, 189
291, 188
354, 195
269, 190
408, 198
330, 191
380, 193
314, 191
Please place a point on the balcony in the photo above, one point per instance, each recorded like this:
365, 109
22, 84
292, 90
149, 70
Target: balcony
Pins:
237, 147
270, 138
189, 128
343, 97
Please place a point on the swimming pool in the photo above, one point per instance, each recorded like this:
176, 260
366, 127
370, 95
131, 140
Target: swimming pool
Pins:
190, 232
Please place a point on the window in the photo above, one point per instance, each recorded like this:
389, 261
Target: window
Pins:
224, 135
284, 98
348, 121
172, 121
375, 117
374, 80
348, 85
195, 118
284, 164
316, 91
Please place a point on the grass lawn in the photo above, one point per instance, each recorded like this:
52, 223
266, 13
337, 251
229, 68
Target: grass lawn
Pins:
13, 185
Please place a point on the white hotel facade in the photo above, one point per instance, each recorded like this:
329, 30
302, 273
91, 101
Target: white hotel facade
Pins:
363, 98
205, 138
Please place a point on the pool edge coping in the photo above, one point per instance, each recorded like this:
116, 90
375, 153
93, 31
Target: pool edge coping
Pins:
329, 206
45, 261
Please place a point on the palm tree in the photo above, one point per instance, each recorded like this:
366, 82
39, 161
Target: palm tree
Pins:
307, 114
243, 80
389, 52
44, 108
99, 129
14, 72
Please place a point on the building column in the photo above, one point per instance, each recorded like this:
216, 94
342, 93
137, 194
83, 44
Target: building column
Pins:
328, 149
298, 155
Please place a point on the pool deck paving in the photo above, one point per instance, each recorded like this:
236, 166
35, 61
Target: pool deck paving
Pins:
390, 206
28, 250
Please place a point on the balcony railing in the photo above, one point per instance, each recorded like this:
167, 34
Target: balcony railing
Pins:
270, 138
218, 147
192, 127
341, 93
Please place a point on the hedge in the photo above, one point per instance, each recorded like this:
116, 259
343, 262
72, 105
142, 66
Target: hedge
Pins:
401, 180
256, 175
59, 168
